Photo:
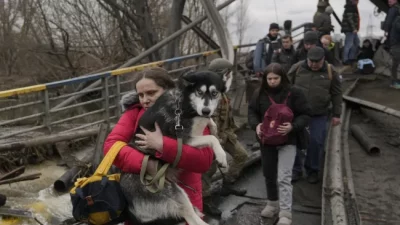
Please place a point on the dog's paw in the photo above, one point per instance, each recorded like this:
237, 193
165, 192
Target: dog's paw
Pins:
221, 159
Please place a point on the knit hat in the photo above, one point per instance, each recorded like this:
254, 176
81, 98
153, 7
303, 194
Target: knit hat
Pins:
220, 66
310, 37
273, 26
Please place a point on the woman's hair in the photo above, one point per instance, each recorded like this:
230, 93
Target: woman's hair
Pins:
277, 69
159, 75
327, 37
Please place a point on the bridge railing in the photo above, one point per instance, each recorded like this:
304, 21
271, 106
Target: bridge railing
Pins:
31, 111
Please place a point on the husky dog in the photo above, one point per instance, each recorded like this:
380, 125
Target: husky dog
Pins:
199, 94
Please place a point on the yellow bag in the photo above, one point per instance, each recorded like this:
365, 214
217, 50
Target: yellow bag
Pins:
98, 199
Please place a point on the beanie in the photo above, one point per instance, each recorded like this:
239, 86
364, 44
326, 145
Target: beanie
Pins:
273, 26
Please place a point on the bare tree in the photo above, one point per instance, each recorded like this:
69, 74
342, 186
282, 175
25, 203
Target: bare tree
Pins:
242, 20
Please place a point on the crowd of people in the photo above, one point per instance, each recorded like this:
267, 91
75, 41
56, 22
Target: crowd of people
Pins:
303, 84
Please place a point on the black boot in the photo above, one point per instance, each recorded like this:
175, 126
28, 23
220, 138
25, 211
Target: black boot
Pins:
209, 207
230, 189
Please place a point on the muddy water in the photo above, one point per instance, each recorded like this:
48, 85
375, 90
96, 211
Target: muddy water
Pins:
38, 196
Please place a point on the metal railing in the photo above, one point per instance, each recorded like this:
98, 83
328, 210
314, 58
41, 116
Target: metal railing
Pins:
39, 112
35, 113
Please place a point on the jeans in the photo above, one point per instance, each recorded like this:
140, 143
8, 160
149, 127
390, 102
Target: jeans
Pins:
351, 45
277, 166
298, 162
318, 127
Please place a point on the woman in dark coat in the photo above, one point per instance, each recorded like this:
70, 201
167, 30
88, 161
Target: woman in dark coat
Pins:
277, 161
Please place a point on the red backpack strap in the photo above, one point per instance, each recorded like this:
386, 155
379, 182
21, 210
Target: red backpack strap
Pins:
271, 100
287, 97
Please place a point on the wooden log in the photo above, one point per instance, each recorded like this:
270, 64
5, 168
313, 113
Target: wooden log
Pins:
13, 173
21, 178
368, 104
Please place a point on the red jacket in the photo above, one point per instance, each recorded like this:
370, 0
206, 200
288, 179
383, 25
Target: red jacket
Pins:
193, 161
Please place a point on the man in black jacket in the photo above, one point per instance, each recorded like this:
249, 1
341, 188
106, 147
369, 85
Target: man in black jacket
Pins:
392, 32
322, 86
285, 55
350, 27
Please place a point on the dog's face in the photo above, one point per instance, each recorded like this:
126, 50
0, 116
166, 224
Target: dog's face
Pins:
204, 89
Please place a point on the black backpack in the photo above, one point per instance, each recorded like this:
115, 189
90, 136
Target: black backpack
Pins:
249, 60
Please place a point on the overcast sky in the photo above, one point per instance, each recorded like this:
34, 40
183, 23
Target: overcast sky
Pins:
262, 12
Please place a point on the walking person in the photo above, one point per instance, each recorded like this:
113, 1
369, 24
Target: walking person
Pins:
321, 82
350, 27
276, 93
392, 32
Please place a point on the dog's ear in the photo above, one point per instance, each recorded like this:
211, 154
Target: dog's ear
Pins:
185, 79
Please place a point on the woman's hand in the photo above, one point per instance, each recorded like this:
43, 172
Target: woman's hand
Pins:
285, 128
258, 130
151, 140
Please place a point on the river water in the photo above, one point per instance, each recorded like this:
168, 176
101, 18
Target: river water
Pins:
38, 196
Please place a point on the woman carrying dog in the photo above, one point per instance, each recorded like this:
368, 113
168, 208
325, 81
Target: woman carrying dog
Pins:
149, 85
278, 159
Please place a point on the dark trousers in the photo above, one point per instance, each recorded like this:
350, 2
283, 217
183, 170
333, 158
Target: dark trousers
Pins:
315, 150
269, 159
395, 51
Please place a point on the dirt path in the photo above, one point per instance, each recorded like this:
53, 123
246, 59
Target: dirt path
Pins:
376, 178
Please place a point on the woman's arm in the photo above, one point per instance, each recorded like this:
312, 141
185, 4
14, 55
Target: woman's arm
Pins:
196, 160
128, 160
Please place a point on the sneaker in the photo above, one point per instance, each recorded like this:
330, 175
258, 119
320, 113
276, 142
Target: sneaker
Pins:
271, 210
285, 218
313, 178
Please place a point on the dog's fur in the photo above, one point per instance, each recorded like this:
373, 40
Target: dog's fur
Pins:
200, 92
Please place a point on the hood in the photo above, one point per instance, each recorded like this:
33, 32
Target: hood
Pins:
128, 100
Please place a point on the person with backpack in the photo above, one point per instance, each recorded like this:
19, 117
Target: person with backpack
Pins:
392, 32
265, 49
277, 112
322, 85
